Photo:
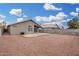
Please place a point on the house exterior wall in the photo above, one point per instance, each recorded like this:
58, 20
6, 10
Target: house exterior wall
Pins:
0, 31
21, 27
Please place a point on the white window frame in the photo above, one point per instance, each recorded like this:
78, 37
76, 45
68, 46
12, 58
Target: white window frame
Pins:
30, 28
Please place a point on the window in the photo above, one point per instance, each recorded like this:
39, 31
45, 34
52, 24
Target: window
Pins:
29, 28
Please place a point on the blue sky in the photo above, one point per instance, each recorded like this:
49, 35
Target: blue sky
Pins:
39, 10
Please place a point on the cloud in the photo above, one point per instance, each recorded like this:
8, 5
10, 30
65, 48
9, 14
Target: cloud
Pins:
25, 16
60, 16
74, 13
67, 20
20, 19
41, 18
77, 9
48, 6
55, 18
51, 23
16, 12
2, 18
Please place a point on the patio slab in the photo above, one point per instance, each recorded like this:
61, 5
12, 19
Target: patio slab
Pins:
35, 34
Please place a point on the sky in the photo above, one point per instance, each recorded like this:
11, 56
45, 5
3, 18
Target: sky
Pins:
42, 13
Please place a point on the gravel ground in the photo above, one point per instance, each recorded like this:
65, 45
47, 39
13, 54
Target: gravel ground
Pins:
46, 45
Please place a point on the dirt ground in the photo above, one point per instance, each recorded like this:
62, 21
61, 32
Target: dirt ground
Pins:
45, 45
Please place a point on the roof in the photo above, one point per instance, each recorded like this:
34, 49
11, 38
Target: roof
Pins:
49, 25
23, 22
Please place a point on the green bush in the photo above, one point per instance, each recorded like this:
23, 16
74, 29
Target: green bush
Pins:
74, 23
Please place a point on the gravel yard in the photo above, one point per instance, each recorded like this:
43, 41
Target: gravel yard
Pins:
44, 45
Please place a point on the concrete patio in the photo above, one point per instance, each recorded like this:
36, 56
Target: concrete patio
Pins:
35, 34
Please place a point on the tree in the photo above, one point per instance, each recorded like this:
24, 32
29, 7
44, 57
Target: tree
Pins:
74, 23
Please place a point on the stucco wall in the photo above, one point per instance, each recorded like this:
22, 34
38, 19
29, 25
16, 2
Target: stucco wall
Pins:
21, 27
0, 31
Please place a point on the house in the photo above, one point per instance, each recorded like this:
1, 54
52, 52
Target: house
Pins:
23, 27
50, 26
2, 26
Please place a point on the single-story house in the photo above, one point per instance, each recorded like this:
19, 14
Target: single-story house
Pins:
23, 27
2, 26
50, 26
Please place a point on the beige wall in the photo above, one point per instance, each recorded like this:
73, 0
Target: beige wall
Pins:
21, 27
0, 31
